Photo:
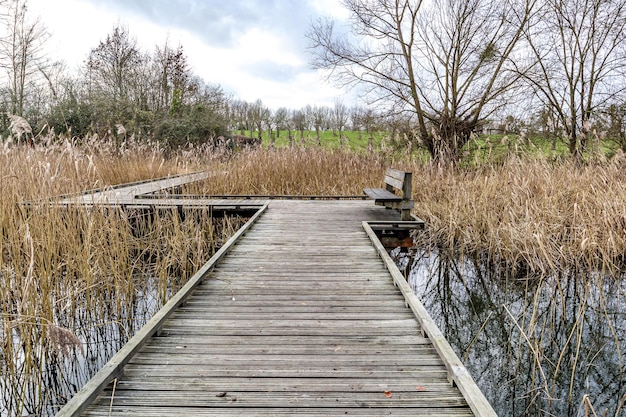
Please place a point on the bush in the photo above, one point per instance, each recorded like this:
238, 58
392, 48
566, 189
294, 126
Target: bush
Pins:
192, 124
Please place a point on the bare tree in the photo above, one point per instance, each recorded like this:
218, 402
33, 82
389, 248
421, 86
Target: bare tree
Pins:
298, 118
369, 119
281, 118
579, 46
258, 114
22, 51
114, 63
356, 117
173, 75
446, 62
239, 111
320, 115
340, 116
270, 123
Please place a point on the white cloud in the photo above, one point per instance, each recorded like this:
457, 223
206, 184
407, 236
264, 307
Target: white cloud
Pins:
258, 61
330, 8
75, 27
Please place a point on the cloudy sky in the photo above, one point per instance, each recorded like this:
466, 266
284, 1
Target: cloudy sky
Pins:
254, 49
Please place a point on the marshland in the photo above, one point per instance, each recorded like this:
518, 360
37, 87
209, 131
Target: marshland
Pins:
510, 114
521, 262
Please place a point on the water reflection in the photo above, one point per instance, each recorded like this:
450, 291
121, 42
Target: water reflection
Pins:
536, 346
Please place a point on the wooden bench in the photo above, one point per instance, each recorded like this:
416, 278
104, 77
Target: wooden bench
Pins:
394, 180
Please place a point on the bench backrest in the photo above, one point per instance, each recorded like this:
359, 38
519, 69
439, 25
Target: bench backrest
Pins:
399, 180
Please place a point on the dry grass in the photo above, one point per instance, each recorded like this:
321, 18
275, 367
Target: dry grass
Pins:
533, 216
295, 171
65, 273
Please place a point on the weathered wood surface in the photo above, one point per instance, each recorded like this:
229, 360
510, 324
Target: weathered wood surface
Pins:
301, 317
157, 194
126, 193
380, 194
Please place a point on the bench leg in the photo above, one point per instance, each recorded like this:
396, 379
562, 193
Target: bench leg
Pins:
405, 215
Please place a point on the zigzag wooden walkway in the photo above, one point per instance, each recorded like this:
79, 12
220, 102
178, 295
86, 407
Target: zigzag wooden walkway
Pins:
298, 315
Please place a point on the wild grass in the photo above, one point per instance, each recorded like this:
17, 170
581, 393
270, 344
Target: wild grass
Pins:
534, 215
77, 281
297, 171
73, 272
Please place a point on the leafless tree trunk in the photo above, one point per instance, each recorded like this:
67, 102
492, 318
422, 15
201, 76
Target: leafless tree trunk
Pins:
281, 117
258, 114
298, 118
340, 119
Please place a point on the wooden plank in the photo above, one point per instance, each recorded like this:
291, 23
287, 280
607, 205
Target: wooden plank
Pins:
319, 340
395, 182
317, 314
279, 331
348, 371
184, 410
395, 173
237, 399
380, 194
346, 385
193, 345
281, 361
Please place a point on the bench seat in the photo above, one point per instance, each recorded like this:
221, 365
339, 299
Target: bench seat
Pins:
382, 195
395, 181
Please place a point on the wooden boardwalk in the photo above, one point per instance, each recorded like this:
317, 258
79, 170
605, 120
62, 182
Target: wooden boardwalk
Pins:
297, 315
127, 194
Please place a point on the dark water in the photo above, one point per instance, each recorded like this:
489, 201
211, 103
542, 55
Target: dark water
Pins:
536, 346
101, 330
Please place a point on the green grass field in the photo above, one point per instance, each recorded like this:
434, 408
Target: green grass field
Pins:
484, 149
328, 139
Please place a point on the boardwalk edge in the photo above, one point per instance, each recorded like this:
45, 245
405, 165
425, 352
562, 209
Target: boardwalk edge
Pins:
457, 371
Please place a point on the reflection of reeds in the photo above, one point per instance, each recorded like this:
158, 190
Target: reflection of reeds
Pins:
537, 347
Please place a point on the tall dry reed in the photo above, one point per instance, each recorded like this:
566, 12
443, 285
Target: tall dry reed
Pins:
68, 274
536, 216
296, 171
